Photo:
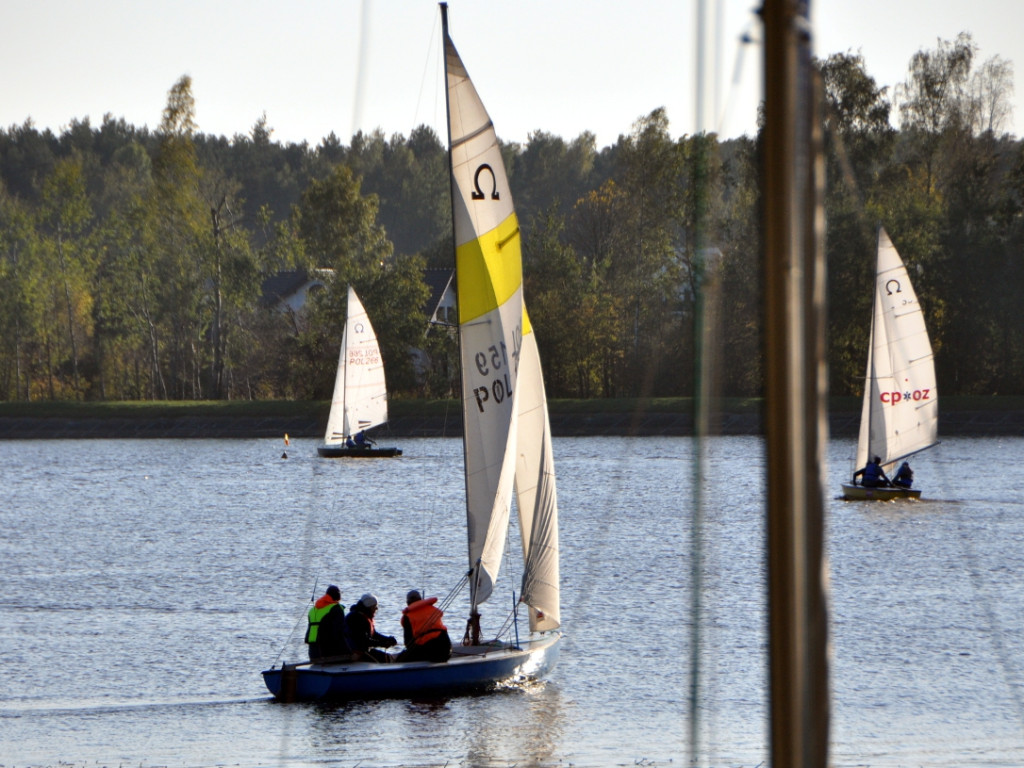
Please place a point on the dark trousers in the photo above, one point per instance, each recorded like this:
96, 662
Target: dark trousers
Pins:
436, 649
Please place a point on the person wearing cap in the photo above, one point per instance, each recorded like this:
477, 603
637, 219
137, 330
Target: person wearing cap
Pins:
325, 634
363, 638
426, 636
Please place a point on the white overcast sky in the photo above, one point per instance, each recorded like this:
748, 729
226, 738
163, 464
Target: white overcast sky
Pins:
561, 66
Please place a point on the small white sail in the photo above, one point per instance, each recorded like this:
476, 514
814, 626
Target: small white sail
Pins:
360, 393
488, 268
900, 411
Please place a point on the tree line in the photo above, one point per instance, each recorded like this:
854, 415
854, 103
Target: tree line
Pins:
132, 261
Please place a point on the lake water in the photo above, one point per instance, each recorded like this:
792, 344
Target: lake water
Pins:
146, 583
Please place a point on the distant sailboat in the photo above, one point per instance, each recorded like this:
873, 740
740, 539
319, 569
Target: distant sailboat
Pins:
506, 440
360, 400
900, 410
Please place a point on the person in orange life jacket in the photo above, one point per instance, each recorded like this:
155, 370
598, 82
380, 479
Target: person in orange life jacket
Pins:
326, 631
426, 636
874, 477
361, 634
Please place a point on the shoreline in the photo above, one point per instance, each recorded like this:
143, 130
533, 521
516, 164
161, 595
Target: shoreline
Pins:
966, 423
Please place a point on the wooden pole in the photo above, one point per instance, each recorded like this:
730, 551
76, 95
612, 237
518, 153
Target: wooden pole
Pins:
795, 423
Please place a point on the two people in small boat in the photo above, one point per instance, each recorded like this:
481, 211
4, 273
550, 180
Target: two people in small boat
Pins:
359, 441
873, 476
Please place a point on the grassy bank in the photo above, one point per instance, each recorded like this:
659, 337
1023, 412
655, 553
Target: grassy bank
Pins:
410, 408
315, 409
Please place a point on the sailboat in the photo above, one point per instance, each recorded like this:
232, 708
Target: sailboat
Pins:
506, 442
360, 400
900, 410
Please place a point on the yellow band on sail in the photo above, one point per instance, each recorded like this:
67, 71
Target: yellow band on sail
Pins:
489, 269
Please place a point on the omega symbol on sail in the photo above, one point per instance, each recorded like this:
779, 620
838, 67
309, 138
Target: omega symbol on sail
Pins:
477, 192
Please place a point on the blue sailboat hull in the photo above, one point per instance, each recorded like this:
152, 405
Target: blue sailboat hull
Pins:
470, 670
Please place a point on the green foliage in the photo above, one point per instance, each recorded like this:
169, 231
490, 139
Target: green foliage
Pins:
133, 263
66, 256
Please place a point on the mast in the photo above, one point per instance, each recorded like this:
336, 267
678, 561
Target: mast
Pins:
472, 635
451, 212
448, 127
869, 384
344, 358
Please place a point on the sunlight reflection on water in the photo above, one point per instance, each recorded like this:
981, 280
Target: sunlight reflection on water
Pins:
147, 583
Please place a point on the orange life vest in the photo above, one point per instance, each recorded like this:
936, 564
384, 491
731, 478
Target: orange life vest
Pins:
424, 619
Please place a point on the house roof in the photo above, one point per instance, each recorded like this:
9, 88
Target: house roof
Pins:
281, 285
438, 281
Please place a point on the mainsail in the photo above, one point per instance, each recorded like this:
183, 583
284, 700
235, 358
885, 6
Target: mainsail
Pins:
900, 411
506, 434
360, 392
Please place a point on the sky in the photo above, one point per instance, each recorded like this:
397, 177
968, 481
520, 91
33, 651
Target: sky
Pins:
314, 67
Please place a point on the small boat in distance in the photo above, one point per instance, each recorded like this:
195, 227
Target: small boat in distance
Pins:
360, 400
900, 409
506, 445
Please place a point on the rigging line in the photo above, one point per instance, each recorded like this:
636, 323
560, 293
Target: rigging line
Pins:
454, 591
506, 625
287, 641
431, 57
447, 410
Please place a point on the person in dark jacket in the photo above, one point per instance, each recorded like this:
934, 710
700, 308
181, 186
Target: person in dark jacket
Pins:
363, 638
325, 633
426, 636
904, 476
873, 475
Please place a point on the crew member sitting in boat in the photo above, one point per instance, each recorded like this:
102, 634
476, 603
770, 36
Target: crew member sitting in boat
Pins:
326, 631
873, 474
363, 638
349, 442
904, 476
426, 636
362, 441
